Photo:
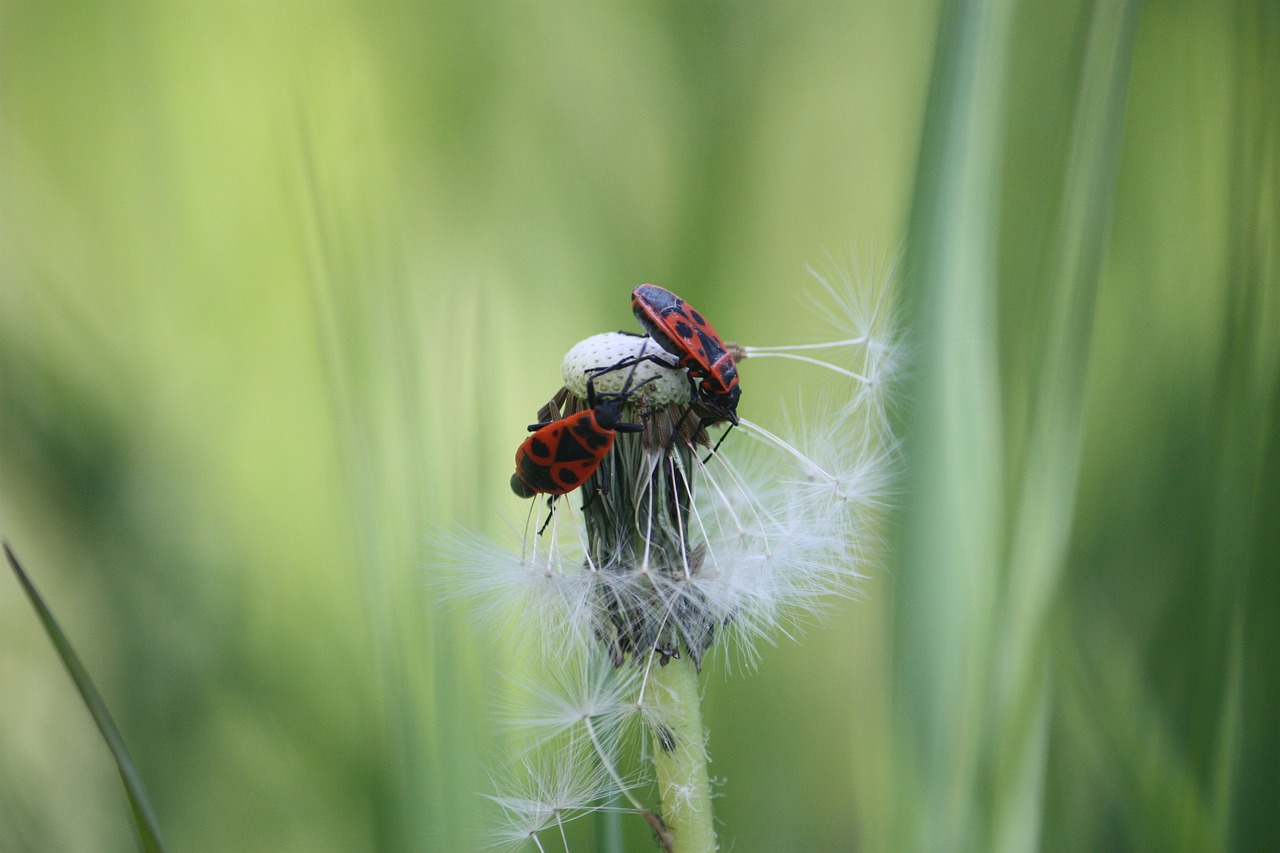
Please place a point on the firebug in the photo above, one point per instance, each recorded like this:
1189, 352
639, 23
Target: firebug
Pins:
561, 455
680, 330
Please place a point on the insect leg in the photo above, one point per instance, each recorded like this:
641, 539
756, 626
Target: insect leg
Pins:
719, 442
551, 510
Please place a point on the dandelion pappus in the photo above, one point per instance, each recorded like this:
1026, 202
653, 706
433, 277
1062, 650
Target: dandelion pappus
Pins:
680, 330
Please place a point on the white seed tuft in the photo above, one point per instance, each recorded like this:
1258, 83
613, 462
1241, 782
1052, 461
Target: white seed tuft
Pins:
664, 384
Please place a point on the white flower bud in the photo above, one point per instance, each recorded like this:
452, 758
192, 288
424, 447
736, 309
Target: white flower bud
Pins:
656, 384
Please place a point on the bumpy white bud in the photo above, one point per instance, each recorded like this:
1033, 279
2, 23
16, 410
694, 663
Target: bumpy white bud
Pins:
668, 385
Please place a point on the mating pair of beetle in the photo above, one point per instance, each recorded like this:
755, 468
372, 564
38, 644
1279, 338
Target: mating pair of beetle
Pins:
562, 454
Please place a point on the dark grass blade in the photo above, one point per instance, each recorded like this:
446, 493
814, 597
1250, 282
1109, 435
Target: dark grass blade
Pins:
143, 816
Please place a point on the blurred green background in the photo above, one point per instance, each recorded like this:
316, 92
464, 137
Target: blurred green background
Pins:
282, 283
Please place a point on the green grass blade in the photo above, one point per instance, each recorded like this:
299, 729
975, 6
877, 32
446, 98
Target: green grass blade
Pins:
143, 816
1046, 501
1127, 740
1044, 511
951, 535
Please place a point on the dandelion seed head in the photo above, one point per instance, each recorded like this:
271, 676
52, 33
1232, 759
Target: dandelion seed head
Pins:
669, 551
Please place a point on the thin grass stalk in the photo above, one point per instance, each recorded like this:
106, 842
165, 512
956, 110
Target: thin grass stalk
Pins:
1242, 605
367, 343
144, 817
1123, 735
1044, 511
952, 535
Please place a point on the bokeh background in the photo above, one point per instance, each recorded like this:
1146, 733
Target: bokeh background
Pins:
282, 283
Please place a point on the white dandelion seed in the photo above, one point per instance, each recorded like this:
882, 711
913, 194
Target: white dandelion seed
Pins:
576, 692
544, 790
862, 310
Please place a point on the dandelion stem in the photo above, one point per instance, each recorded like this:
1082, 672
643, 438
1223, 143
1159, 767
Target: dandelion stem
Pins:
680, 758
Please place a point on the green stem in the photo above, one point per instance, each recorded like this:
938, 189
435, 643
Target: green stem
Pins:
680, 757
608, 829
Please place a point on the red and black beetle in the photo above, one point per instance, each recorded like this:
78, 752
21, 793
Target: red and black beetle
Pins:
562, 454
680, 330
